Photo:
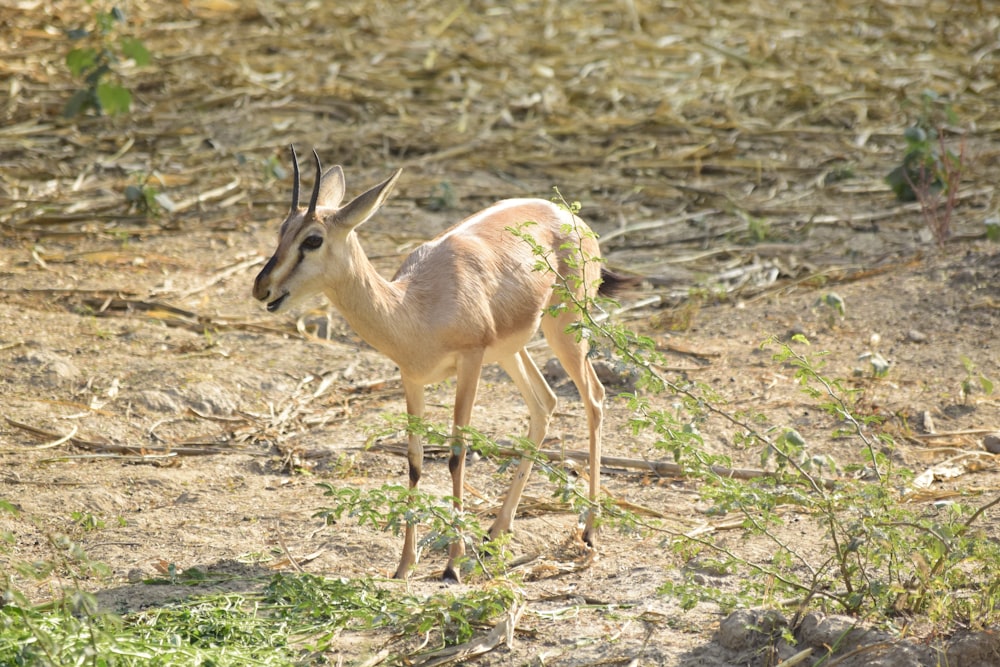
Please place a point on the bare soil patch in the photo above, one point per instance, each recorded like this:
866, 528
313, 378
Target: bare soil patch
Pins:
731, 154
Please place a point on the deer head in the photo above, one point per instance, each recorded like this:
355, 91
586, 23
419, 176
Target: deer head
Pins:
312, 242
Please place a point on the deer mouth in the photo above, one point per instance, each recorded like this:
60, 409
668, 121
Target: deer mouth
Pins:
273, 306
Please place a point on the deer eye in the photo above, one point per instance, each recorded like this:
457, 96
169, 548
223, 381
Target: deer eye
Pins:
312, 242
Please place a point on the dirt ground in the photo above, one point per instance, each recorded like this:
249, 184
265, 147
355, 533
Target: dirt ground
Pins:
719, 149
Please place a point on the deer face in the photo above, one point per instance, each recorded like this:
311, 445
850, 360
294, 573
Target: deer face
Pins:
294, 271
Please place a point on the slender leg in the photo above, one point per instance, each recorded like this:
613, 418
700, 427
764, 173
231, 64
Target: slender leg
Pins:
415, 458
572, 354
541, 404
469, 368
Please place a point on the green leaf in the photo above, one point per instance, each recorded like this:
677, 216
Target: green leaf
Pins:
836, 302
81, 60
880, 365
7, 507
136, 50
915, 135
897, 180
113, 99
794, 438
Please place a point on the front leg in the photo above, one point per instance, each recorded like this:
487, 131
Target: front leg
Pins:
415, 459
467, 385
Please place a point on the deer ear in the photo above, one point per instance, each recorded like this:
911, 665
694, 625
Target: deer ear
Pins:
331, 189
364, 205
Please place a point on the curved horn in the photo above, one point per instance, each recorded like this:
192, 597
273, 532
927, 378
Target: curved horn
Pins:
319, 179
295, 171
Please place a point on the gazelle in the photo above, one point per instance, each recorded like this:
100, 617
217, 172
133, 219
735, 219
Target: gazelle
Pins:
468, 297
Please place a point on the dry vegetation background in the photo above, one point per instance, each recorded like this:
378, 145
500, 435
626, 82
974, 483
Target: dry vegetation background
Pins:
731, 153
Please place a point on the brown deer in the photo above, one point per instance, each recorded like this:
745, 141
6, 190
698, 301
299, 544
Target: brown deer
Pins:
471, 296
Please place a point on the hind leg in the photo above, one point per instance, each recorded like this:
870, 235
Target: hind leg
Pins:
572, 354
541, 404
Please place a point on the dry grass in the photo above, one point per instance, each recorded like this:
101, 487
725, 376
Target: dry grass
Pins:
679, 125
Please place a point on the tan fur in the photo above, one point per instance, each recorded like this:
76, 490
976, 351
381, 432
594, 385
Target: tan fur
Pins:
468, 297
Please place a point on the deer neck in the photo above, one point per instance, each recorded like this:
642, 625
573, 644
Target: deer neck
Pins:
373, 306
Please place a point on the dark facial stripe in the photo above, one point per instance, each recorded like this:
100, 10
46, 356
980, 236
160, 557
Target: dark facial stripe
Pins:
264, 274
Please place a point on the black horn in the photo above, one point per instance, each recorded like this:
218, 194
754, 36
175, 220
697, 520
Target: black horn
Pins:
319, 178
295, 172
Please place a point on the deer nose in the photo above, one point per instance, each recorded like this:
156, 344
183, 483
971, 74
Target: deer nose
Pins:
261, 289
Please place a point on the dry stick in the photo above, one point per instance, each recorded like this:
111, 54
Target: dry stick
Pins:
655, 224
34, 430
881, 646
206, 196
284, 548
663, 468
175, 316
376, 658
59, 441
798, 659
105, 300
118, 457
879, 215
136, 450
218, 277
826, 275
951, 434
828, 219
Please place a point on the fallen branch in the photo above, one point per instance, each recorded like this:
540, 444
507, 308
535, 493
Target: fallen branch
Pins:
951, 434
104, 447
661, 468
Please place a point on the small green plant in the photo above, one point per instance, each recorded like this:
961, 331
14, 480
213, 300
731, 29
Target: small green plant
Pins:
143, 196
286, 619
879, 364
930, 172
992, 228
86, 521
833, 308
273, 169
392, 507
442, 198
100, 48
972, 379
839, 172
291, 620
883, 558
758, 228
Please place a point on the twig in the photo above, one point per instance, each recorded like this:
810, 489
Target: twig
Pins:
951, 434
655, 224
206, 196
134, 450
376, 659
216, 278
284, 548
